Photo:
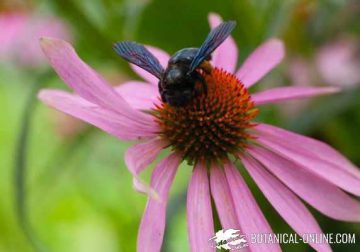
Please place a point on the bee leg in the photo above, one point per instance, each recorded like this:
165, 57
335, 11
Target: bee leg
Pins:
203, 83
206, 66
162, 93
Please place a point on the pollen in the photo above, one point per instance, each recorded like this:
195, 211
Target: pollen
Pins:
214, 125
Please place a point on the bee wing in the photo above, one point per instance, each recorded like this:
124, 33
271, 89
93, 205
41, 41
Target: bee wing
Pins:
212, 41
140, 56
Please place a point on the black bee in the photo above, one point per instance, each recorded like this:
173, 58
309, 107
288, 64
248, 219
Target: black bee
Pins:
177, 81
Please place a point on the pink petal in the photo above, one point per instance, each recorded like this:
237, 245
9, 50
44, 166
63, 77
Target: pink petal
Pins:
86, 82
138, 157
291, 209
12, 27
338, 63
316, 191
261, 61
152, 225
222, 198
280, 94
226, 55
319, 149
28, 50
110, 122
163, 58
250, 217
332, 168
20, 32
199, 213
139, 95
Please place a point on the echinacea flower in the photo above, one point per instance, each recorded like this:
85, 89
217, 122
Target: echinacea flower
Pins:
338, 62
214, 130
20, 32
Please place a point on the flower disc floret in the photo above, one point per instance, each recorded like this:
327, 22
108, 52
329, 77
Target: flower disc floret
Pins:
214, 124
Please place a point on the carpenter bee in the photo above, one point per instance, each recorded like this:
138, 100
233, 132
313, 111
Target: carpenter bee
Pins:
177, 83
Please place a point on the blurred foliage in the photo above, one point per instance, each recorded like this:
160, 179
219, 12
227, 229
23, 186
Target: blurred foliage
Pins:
79, 193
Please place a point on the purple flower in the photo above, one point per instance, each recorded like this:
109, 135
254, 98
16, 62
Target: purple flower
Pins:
338, 62
19, 36
214, 130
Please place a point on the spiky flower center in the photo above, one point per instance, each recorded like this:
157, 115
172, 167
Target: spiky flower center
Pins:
214, 124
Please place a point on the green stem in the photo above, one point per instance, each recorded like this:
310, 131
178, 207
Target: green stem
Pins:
20, 161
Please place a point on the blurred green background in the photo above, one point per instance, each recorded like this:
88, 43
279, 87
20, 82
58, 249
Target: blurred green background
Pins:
66, 184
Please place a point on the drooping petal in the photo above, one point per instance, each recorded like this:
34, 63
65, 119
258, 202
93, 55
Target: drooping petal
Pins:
226, 55
110, 122
280, 94
152, 225
138, 157
250, 217
139, 95
305, 155
319, 193
163, 58
222, 198
198, 211
86, 82
261, 61
319, 149
291, 209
